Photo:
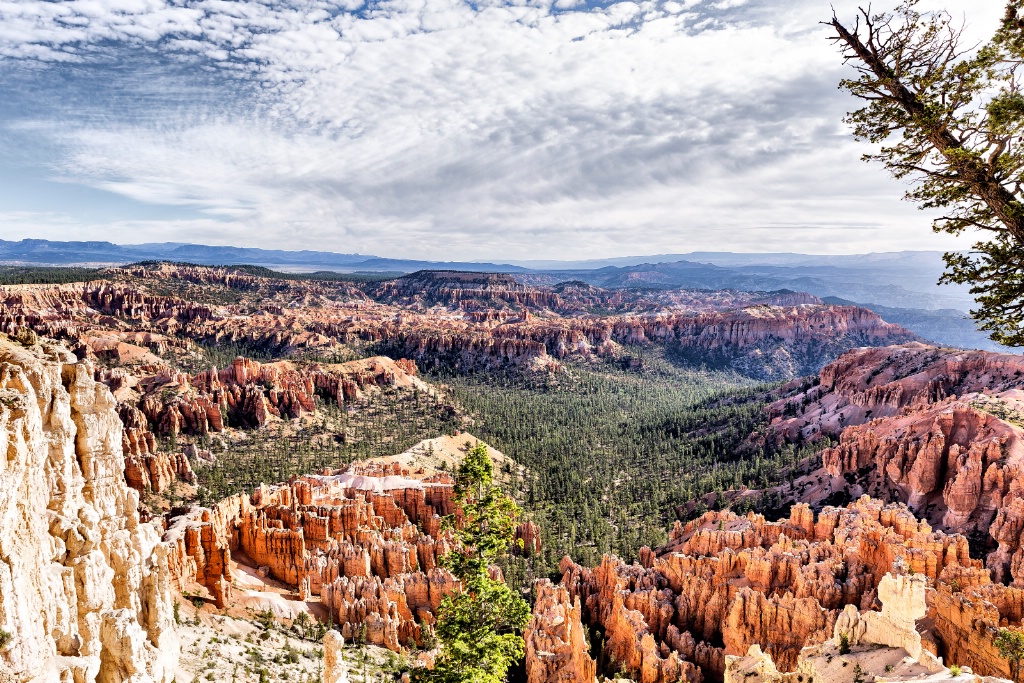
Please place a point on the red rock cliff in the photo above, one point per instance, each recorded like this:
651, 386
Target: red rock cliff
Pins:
940, 430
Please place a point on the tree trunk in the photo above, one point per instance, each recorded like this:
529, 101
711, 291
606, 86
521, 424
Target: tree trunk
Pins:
972, 173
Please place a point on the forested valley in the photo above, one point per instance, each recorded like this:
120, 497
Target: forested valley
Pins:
614, 450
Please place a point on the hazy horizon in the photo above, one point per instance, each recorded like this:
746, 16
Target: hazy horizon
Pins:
635, 257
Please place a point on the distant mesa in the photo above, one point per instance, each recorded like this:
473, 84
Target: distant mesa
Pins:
445, 319
901, 286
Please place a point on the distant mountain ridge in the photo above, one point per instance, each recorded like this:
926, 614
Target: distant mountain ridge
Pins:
46, 252
948, 326
906, 281
897, 279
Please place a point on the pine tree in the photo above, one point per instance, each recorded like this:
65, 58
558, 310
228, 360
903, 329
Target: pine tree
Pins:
479, 626
949, 119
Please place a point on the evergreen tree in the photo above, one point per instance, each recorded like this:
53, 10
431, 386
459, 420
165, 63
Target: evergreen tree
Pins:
950, 119
479, 627
1010, 643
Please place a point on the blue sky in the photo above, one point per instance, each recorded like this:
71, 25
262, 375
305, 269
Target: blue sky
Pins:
442, 129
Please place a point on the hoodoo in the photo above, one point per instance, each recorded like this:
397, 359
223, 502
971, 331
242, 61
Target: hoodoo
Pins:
727, 586
366, 540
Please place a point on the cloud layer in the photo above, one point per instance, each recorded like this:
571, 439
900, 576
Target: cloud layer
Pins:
441, 129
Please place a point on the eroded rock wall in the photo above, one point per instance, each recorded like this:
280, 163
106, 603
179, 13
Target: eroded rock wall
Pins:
84, 586
366, 540
249, 394
725, 583
938, 429
557, 647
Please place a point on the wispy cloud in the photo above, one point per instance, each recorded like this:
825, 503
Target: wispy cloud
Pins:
441, 128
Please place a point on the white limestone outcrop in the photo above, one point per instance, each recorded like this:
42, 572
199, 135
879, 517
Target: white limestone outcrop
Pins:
334, 665
84, 586
866, 647
903, 603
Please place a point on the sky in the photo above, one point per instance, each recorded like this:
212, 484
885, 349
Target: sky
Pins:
442, 129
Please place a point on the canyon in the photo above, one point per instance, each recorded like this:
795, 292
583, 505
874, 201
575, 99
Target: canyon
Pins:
117, 419
90, 592
148, 329
90, 588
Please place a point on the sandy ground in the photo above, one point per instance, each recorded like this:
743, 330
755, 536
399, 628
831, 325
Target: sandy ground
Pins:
225, 649
879, 663
251, 594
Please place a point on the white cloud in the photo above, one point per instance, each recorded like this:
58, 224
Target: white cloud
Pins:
499, 130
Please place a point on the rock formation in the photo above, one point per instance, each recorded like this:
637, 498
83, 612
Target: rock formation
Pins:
156, 472
84, 586
938, 429
903, 604
465, 291
527, 539
866, 384
249, 394
761, 341
725, 583
498, 296
556, 643
146, 468
865, 646
334, 667
366, 540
